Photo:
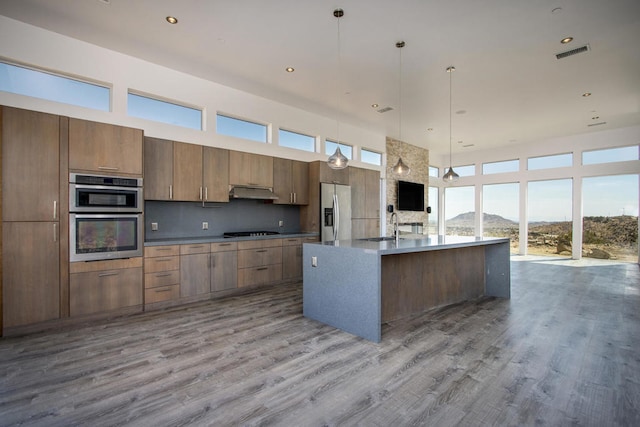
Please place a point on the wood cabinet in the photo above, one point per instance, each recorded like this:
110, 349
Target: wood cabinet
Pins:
104, 148
103, 286
290, 182
31, 210
185, 172
250, 169
365, 202
31, 291
161, 273
194, 269
259, 262
224, 266
292, 257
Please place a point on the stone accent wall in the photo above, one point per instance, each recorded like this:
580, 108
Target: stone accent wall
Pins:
418, 160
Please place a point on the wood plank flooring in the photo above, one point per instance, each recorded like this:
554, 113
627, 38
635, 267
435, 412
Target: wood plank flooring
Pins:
565, 350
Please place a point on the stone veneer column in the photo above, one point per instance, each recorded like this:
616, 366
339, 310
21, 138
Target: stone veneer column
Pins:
418, 160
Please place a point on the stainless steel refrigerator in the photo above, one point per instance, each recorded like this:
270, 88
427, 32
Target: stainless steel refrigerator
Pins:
335, 212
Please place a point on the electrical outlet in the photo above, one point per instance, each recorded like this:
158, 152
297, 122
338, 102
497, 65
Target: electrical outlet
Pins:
281, 223
205, 225
314, 261
154, 226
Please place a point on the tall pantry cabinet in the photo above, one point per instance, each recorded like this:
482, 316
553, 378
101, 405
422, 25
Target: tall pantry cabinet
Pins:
31, 210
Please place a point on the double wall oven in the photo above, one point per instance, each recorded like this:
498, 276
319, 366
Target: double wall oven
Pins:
105, 217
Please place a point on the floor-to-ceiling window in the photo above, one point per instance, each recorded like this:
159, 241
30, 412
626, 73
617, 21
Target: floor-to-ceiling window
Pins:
550, 217
433, 216
459, 210
610, 217
500, 215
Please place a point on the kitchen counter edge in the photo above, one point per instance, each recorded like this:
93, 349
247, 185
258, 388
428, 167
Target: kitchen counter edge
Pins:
215, 239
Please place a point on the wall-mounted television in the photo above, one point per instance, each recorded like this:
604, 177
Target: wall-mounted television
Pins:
410, 196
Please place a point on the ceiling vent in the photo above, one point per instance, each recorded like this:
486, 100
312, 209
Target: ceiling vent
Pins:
385, 109
597, 124
572, 52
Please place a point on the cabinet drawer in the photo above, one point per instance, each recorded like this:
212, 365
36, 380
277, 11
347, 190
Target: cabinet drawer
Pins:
258, 244
259, 275
164, 293
197, 248
168, 263
156, 251
259, 257
293, 241
161, 278
224, 246
100, 291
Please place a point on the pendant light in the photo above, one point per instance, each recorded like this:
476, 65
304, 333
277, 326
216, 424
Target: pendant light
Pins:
450, 176
338, 160
400, 168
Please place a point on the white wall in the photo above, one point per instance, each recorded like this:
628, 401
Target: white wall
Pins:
29, 45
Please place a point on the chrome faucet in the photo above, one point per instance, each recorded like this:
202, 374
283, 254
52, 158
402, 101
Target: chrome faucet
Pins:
394, 219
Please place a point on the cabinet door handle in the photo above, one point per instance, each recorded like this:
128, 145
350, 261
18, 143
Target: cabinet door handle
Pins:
200, 193
108, 168
262, 268
206, 193
55, 209
170, 192
55, 232
295, 197
213, 261
110, 273
290, 197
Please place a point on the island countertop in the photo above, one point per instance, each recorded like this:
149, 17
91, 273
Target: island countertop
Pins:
357, 285
388, 246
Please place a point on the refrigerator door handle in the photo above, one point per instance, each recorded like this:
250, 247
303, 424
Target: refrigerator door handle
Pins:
336, 214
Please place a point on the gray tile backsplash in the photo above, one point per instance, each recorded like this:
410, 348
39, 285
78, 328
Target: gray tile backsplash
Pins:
184, 219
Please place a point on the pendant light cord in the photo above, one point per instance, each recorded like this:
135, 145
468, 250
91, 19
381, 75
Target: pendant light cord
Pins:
338, 13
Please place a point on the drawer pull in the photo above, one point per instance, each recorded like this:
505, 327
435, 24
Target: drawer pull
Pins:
108, 168
261, 250
163, 249
157, 291
224, 244
111, 273
163, 274
196, 247
164, 259
262, 268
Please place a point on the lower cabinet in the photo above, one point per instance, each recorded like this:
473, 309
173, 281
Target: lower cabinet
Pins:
161, 273
31, 270
292, 257
102, 286
194, 270
259, 262
224, 266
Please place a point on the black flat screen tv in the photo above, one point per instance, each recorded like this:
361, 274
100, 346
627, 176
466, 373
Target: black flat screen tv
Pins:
410, 196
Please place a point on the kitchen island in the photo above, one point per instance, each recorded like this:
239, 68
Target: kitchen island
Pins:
357, 285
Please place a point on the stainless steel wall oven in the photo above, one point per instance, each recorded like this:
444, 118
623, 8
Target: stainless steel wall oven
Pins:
106, 217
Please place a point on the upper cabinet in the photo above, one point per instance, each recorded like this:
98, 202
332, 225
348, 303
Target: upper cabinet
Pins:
185, 172
365, 193
249, 169
291, 182
332, 176
104, 148
30, 165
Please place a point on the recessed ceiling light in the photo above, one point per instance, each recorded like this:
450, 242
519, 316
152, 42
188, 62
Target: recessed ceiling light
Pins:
172, 20
566, 40
290, 69
586, 94
595, 117
374, 105
461, 112
429, 129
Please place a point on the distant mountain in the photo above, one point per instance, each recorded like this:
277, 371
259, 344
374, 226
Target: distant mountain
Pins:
489, 221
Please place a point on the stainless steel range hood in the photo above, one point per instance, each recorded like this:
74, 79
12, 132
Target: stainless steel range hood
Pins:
256, 193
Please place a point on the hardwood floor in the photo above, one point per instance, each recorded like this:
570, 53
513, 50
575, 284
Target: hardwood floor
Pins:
565, 350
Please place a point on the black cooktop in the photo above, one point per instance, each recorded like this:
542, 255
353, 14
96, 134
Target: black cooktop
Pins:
250, 233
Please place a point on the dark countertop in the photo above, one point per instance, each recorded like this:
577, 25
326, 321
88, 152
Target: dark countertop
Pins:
214, 239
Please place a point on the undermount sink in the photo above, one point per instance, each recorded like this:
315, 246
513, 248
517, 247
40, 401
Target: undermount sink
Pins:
380, 239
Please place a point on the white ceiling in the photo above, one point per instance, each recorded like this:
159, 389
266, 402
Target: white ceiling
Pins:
509, 88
